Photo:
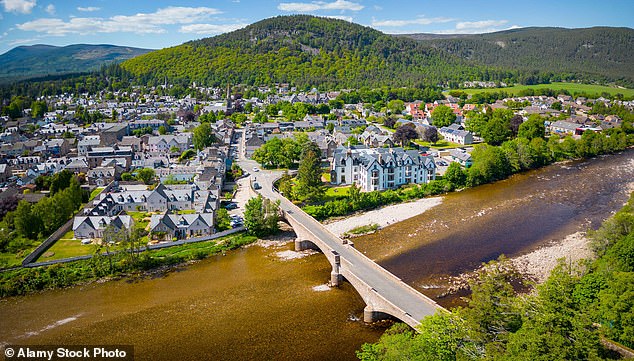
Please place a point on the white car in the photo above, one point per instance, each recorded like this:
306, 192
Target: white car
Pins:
255, 169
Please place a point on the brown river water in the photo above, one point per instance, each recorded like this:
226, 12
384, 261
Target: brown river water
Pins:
252, 305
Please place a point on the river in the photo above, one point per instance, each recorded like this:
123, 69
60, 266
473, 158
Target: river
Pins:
253, 305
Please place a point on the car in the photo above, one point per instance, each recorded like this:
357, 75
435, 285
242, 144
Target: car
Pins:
257, 185
231, 206
256, 169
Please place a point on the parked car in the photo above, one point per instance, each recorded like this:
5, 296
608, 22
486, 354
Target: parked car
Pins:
256, 169
231, 205
257, 185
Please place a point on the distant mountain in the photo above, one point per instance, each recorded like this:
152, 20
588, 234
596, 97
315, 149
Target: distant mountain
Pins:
39, 60
599, 53
305, 51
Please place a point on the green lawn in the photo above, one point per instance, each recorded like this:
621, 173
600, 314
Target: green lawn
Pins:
95, 193
570, 87
333, 192
65, 248
10, 260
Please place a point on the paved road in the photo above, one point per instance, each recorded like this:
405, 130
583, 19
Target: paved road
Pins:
387, 285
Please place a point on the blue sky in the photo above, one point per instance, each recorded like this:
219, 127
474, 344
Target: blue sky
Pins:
159, 23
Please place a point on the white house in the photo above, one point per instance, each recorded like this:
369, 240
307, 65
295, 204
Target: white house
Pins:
181, 225
380, 168
93, 226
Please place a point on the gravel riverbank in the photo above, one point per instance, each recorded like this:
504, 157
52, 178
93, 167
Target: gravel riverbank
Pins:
384, 216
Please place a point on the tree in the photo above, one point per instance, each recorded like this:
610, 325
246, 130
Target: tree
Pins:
38, 109
496, 131
146, 175
532, 128
430, 134
261, 216
27, 223
162, 130
126, 176
309, 186
405, 134
396, 106
443, 116
222, 220
515, 124
389, 121
203, 136
456, 175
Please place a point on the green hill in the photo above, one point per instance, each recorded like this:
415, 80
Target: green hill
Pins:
40, 60
591, 54
306, 51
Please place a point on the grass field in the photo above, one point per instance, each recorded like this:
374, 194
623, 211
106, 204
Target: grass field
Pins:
570, 87
66, 248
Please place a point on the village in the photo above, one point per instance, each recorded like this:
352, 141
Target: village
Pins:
188, 182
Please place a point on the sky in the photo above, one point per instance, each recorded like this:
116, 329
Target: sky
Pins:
158, 24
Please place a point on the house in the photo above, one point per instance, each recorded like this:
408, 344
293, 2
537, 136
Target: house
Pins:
380, 168
251, 145
93, 226
455, 133
164, 143
86, 144
563, 127
462, 157
168, 226
5, 172
100, 176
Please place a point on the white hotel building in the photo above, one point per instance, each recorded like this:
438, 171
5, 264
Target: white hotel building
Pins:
380, 168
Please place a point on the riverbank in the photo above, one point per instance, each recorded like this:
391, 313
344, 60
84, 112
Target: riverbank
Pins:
538, 264
383, 216
120, 265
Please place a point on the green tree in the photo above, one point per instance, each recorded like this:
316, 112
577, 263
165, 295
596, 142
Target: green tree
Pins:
396, 106
26, 222
38, 109
496, 131
146, 175
126, 176
443, 116
162, 130
532, 128
261, 216
456, 175
309, 187
203, 136
222, 220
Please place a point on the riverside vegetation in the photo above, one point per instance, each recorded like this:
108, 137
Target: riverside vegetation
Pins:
529, 150
26, 280
565, 318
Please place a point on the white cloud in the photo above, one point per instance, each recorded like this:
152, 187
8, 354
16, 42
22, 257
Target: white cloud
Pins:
475, 30
88, 9
22, 41
170, 15
210, 28
50, 9
421, 20
340, 17
18, 6
139, 23
484, 24
320, 5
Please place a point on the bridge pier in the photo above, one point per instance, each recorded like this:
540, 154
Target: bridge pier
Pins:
335, 275
370, 315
